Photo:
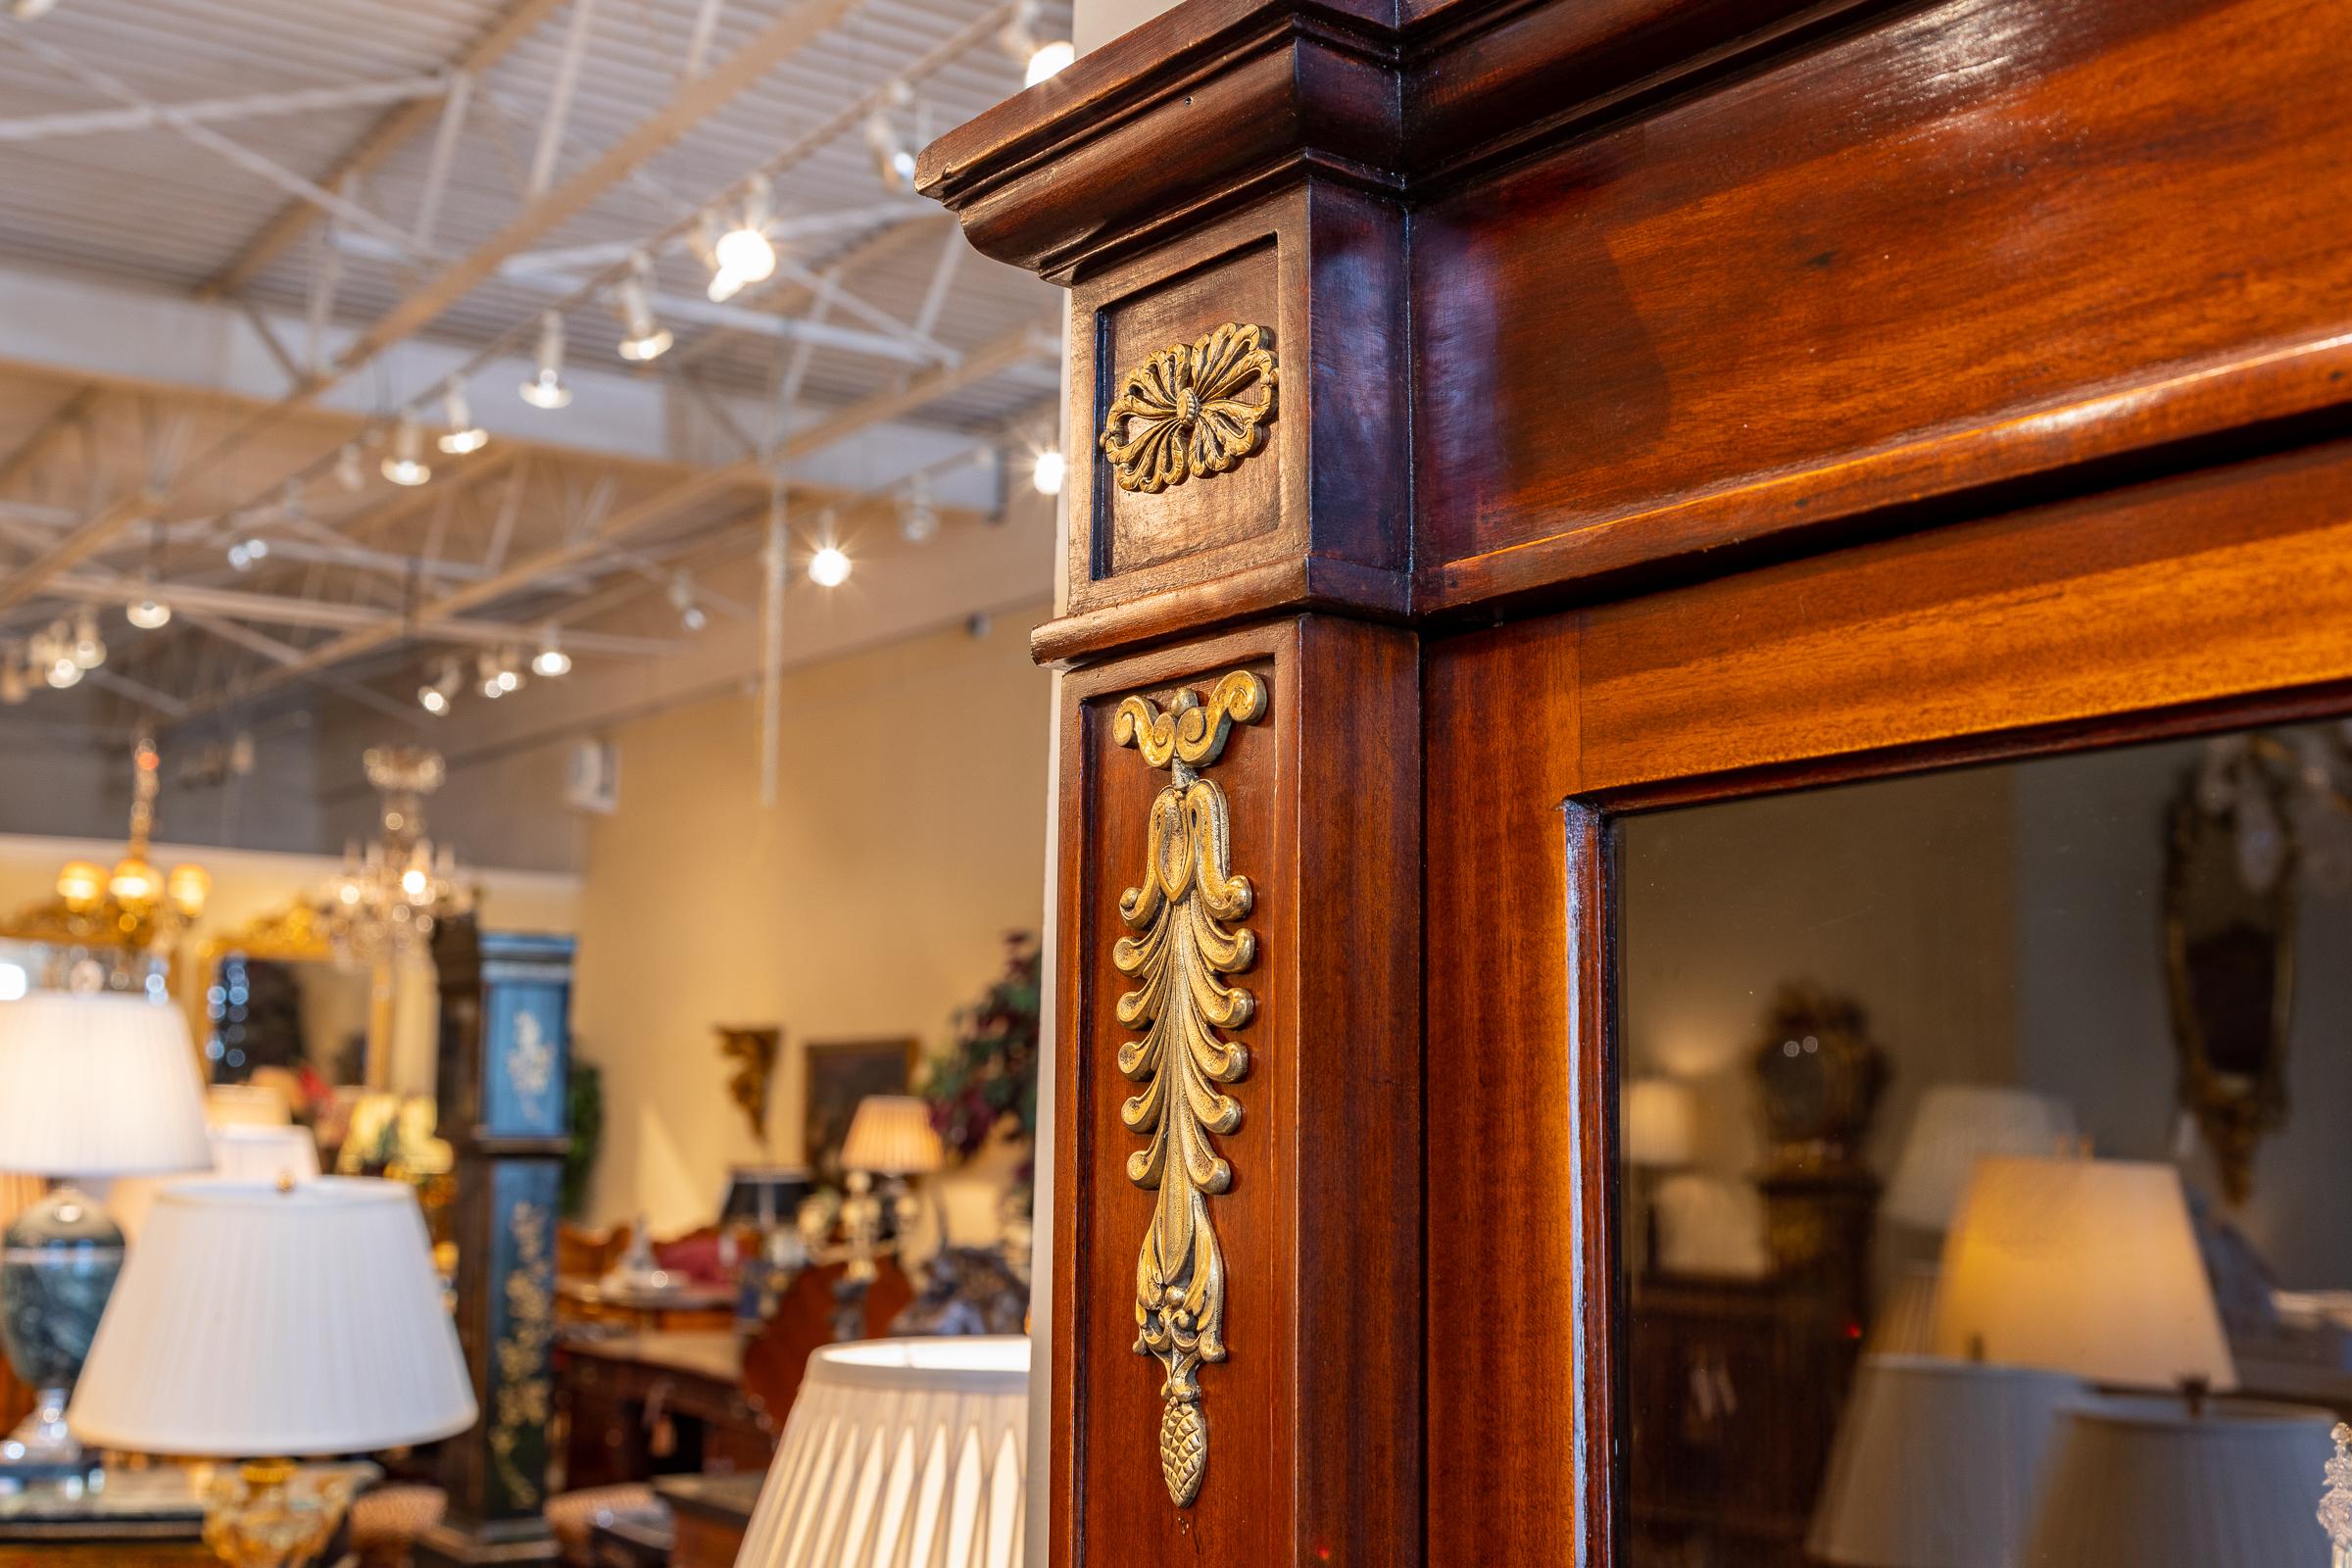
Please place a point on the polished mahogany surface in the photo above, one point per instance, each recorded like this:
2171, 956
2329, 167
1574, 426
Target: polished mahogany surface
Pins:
1679, 399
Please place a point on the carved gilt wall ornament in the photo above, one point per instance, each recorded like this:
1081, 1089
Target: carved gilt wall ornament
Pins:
1188, 939
1187, 412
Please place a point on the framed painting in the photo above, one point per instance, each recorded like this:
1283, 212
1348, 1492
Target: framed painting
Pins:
841, 1073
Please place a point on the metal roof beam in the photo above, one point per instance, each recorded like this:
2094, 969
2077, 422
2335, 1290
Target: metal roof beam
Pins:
209, 111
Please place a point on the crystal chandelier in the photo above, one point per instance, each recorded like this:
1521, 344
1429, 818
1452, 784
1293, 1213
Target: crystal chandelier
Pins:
383, 904
135, 906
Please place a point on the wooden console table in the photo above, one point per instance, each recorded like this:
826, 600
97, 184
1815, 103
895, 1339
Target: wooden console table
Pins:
622, 1394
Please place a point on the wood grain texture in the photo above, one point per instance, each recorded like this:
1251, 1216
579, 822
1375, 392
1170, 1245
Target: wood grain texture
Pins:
1315, 1415
1990, 237
1519, 1263
2205, 589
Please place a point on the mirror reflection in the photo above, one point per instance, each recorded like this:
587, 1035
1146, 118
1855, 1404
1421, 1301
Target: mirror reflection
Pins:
1985, 1192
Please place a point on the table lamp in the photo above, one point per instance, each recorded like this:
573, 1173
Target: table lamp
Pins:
248, 1152
268, 1322
2084, 1266
1936, 1463
899, 1451
2142, 1483
1955, 1126
1661, 1134
890, 1136
91, 1086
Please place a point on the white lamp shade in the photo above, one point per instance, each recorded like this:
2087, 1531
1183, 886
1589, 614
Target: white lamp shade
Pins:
892, 1136
241, 1152
1955, 1126
2142, 1483
98, 1085
1936, 1463
900, 1453
252, 1321
246, 1105
2089, 1266
1661, 1122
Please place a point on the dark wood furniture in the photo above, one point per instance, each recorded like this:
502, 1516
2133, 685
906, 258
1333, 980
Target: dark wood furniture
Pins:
638, 1405
1678, 400
708, 1515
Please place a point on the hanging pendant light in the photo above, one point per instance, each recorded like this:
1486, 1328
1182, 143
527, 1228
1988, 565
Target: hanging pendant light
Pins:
463, 435
744, 254
547, 390
551, 660
647, 339
404, 463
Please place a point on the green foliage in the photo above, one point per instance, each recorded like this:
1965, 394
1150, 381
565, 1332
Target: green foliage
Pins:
988, 1078
585, 1111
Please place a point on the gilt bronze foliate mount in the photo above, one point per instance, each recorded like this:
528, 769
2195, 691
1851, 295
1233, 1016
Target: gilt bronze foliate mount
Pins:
1188, 939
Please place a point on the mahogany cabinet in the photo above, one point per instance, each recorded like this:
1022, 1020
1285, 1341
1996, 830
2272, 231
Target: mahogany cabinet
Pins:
1524, 415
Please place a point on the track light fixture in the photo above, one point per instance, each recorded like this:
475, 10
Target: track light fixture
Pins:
744, 254
918, 516
829, 568
31, 9
405, 463
647, 339
146, 612
439, 694
1049, 470
546, 390
681, 599
894, 160
463, 435
551, 660
1040, 58
245, 553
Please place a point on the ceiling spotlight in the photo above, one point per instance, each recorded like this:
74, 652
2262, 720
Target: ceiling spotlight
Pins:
246, 552
510, 668
494, 685
551, 660
547, 390
681, 599
432, 699
404, 463
463, 435
647, 338
87, 650
743, 254
146, 612
440, 693
348, 472
829, 568
62, 674
918, 518
894, 160
31, 9
1048, 471
1040, 58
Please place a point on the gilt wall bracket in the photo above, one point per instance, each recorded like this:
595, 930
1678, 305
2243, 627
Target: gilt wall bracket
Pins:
1192, 409
1186, 940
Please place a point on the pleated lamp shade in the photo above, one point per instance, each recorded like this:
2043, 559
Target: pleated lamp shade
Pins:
2142, 1483
2089, 1266
242, 1151
905, 1454
252, 1321
1936, 1463
1955, 1126
100, 1085
892, 1136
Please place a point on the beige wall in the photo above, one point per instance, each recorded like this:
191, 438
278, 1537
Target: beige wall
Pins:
870, 901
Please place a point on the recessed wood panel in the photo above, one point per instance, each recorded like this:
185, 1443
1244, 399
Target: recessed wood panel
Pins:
1138, 528
1864, 260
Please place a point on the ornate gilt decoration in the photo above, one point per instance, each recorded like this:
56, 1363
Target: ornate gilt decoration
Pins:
1186, 916
752, 1051
1183, 413
525, 1397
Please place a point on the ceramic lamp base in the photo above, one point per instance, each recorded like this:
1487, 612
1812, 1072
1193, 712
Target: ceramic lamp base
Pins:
58, 1262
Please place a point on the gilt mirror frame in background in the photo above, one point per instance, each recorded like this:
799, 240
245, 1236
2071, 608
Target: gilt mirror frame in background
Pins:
2230, 977
295, 934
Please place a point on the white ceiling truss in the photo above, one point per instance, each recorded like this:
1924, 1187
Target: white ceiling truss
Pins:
387, 202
